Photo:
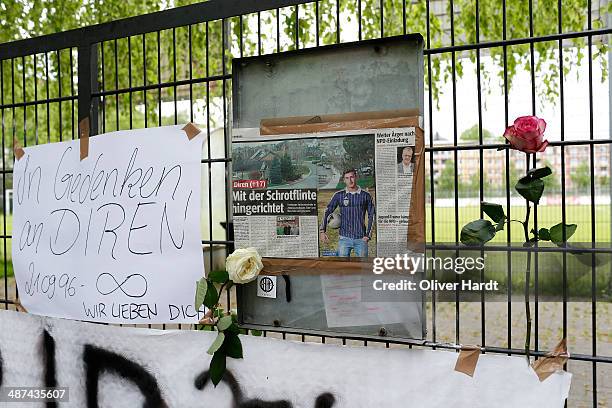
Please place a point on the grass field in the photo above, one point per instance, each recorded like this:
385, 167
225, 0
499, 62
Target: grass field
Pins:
548, 216
578, 278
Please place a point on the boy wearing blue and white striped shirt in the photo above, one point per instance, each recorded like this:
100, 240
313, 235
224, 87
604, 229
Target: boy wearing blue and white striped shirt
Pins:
354, 203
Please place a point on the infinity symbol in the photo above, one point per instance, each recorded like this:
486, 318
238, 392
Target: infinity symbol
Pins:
106, 280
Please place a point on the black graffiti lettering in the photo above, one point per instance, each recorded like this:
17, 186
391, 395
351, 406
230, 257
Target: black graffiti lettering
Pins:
98, 361
49, 363
325, 400
111, 230
75, 219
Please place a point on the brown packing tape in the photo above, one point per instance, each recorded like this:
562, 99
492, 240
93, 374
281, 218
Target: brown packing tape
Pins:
336, 118
317, 266
20, 307
84, 138
191, 130
17, 149
467, 360
552, 362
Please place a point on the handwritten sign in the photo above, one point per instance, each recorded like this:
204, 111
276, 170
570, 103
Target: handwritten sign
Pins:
113, 238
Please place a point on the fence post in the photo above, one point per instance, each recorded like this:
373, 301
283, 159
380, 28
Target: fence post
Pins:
87, 84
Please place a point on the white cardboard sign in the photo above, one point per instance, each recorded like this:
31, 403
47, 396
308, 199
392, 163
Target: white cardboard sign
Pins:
113, 238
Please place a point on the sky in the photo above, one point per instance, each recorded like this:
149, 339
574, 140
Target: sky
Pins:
576, 105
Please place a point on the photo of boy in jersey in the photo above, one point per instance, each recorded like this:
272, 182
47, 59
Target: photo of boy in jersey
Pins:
354, 205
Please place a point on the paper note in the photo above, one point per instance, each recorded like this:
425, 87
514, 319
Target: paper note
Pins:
113, 238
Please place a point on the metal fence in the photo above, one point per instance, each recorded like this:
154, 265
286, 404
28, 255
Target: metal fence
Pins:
174, 66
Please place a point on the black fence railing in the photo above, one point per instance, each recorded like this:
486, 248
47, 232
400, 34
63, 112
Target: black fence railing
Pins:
174, 66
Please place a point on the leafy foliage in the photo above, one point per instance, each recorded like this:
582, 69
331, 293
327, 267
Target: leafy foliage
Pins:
167, 56
473, 134
494, 211
531, 186
477, 232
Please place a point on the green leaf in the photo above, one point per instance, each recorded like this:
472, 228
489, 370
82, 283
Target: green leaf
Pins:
494, 211
220, 276
544, 234
233, 329
556, 232
233, 346
216, 345
217, 367
201, 288
256, 332
539, 173
477, 232
530, 189
224, 323
499, 226
212, 297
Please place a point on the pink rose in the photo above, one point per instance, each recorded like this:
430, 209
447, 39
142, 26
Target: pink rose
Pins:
527, 134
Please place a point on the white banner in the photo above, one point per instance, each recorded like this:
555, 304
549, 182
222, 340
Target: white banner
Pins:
106, 366
113, 238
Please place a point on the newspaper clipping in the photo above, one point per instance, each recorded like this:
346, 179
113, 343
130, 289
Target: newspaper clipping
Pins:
324, 194
395, 166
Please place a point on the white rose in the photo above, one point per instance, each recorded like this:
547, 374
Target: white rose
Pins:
243, 265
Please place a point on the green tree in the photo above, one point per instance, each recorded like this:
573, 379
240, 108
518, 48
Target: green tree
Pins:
604, 181
581, 177
472, 135
287, 168
275, 172
359, 152
445, 183
214, 44
551, 183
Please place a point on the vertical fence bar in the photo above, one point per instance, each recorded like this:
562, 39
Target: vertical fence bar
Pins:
507, 175
35, 100
59, 91
4, 233
480, 170
593, 212
88, 83
47, 102
432, 188
455, 155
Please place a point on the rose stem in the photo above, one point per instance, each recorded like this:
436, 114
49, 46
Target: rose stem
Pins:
527, 276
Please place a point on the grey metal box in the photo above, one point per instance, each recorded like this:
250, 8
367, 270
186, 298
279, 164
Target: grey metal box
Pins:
375, 75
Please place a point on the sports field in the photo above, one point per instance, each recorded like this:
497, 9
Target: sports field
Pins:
547, 216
